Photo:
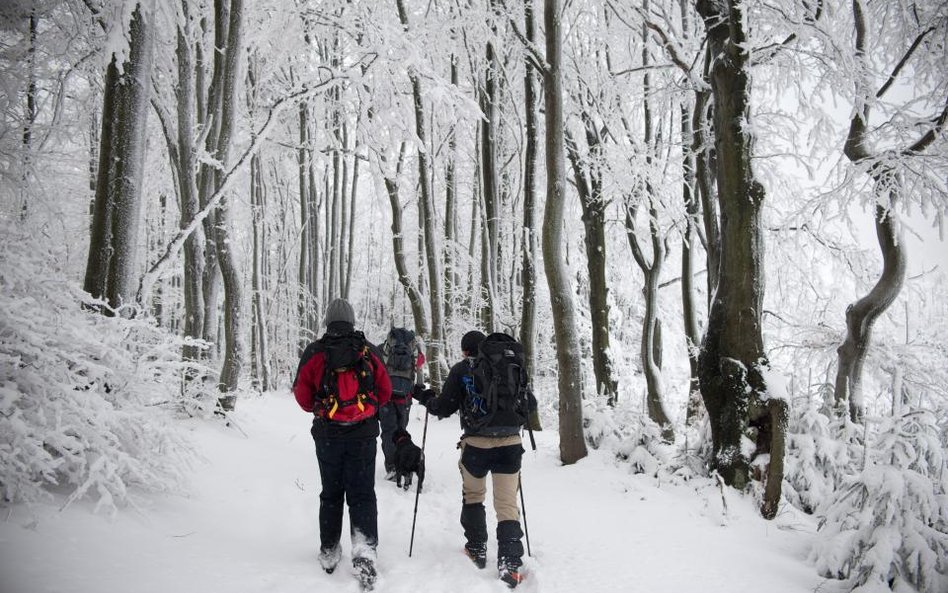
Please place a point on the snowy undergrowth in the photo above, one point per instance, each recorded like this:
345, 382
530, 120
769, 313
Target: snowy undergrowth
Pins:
629, 434
820, 452
86, 401
887, 527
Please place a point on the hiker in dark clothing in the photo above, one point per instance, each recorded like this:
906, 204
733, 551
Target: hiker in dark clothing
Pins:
496, 448
344, 383
404, 360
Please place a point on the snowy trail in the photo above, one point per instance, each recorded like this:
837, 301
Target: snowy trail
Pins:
250, 525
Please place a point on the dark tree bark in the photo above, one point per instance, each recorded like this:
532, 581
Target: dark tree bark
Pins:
30, 115
732, 360
528, 322
572, 443
588, 179
702, 148
188, 199
112, 263
490, 190
307, 267
451, 277
261, 345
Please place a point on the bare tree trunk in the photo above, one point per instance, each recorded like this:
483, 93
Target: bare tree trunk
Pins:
488, 311
651, 345
31, 113
589, 187
436, 341
528, 331
258, 203
689, 240
112, 264
230, 272
489, 185
572, 443
352, 207
474, 299
732, 360
861, 315
188, 199
304, 304
451, 277
704, 182
206, 182
398, 249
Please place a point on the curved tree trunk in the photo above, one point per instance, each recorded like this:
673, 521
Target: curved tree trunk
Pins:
861, 315
572, 443
398, 249
732, 360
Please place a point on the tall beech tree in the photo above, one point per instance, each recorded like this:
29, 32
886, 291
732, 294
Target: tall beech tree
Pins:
572, 443
112, 264
732, 361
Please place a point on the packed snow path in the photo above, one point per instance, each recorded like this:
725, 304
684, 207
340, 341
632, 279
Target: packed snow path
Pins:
249, 525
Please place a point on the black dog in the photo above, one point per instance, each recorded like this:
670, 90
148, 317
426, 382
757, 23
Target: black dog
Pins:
409, 459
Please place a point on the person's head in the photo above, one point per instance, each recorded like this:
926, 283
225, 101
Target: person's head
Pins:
339, 317
470, 342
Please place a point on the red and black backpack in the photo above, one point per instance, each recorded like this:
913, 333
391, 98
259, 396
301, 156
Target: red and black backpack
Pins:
346, 392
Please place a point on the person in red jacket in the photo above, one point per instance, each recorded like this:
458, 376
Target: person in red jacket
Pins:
344, 384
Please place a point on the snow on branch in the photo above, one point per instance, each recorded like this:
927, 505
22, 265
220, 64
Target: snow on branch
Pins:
157, 269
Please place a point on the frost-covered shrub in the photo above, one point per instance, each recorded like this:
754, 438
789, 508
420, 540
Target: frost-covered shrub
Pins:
627, 433
819, 454
86, 401
888, 526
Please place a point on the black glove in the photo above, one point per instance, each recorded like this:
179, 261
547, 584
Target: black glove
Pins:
423, 395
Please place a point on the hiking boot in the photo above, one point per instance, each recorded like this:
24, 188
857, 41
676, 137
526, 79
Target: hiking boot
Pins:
329, 558
365, 572
477, 553
508, 570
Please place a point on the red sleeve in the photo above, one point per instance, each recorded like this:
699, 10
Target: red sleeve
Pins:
420, 361
309, 380
383, 385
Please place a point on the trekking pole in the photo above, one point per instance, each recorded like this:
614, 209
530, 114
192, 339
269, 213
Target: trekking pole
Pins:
414, 517
526, 530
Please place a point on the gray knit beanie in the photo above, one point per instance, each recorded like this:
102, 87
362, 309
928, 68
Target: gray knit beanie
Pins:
339, 310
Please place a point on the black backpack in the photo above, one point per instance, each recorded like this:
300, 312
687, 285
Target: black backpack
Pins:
495, 401
399, 353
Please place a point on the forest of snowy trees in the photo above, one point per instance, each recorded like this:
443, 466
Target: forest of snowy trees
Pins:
716, 227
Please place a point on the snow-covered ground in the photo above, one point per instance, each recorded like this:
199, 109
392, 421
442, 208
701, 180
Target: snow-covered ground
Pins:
249, 524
